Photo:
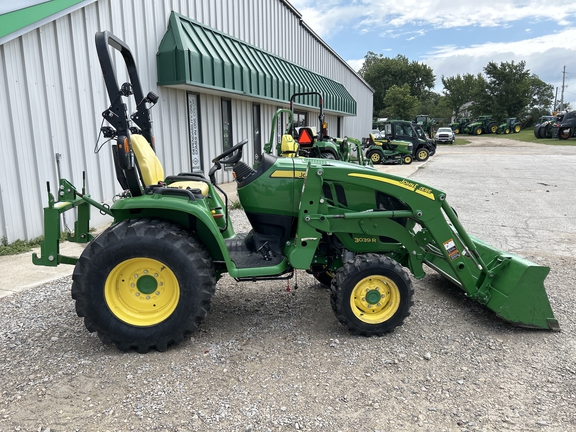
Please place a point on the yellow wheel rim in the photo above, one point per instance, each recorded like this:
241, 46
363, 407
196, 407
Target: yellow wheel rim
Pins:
142, 292
422, 154
375, 157
407, 159
375, 299
478, 131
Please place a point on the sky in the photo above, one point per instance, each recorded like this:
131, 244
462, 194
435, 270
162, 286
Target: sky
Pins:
453, 37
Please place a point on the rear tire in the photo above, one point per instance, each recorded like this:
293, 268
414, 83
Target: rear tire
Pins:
371, 295
517, 128
493, 127
142, 284
564, 133
328, 155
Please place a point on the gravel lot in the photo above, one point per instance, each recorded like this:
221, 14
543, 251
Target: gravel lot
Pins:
271, 359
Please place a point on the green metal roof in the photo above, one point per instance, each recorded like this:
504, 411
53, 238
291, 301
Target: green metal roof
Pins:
19, 18
193, 54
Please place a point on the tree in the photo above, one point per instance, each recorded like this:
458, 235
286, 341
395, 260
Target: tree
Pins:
542, 97
400, 104
509, 87
383, 72
461, 89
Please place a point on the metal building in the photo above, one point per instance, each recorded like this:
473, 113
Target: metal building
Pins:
221, 68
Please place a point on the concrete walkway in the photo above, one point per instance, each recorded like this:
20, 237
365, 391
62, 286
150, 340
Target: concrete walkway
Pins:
20, 274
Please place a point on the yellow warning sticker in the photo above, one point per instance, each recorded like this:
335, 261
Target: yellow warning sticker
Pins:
452, 250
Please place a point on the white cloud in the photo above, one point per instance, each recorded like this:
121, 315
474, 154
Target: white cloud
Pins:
329, 17
545, 56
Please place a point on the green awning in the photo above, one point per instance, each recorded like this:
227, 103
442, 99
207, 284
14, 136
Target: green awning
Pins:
192, 54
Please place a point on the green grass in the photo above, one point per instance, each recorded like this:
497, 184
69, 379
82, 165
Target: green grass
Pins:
18, 246
527, 135
235, 205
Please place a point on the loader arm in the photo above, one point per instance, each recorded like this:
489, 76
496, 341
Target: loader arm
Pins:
511, 286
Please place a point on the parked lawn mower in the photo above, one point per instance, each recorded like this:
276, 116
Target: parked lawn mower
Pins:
382, 149
147, 281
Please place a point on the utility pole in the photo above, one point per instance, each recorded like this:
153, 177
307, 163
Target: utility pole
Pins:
555, 101
562, 93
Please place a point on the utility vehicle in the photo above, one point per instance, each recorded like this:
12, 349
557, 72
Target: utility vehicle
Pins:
147, 281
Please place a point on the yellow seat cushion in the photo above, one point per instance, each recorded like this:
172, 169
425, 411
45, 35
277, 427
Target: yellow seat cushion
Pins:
192, 185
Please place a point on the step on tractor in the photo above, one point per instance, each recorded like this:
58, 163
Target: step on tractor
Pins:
147, 281
305, 141
483, 125
459, 126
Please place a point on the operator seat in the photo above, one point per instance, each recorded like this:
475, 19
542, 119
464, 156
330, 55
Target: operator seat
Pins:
151, 170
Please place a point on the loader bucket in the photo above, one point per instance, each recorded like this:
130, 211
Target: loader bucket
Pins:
516, 289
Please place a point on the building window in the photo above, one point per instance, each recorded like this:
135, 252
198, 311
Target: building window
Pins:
256, 131
194, 132
226, 124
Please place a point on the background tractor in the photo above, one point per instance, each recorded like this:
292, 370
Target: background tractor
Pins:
426, 122
510, 125
305, 141
483, 125
543, 127
459, 125
565, 126
147, 281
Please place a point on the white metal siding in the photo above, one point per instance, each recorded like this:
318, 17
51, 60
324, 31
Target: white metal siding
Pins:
53, 95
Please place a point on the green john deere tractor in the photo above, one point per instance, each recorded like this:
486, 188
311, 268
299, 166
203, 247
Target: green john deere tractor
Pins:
510, 125
459, 125
483, 125
426, 122
147, 281
305, 141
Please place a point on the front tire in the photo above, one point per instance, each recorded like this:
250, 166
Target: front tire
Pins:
422, 154
142, 284
371, 295
407, 159
375, 156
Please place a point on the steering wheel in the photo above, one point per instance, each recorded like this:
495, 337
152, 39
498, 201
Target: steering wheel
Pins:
233, 159
217, 161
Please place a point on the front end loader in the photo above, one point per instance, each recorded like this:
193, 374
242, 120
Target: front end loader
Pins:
147, 281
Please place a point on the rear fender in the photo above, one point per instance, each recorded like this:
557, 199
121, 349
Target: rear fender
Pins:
205, 217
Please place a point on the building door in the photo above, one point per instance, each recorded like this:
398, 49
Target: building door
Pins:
194, 132
256, 131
